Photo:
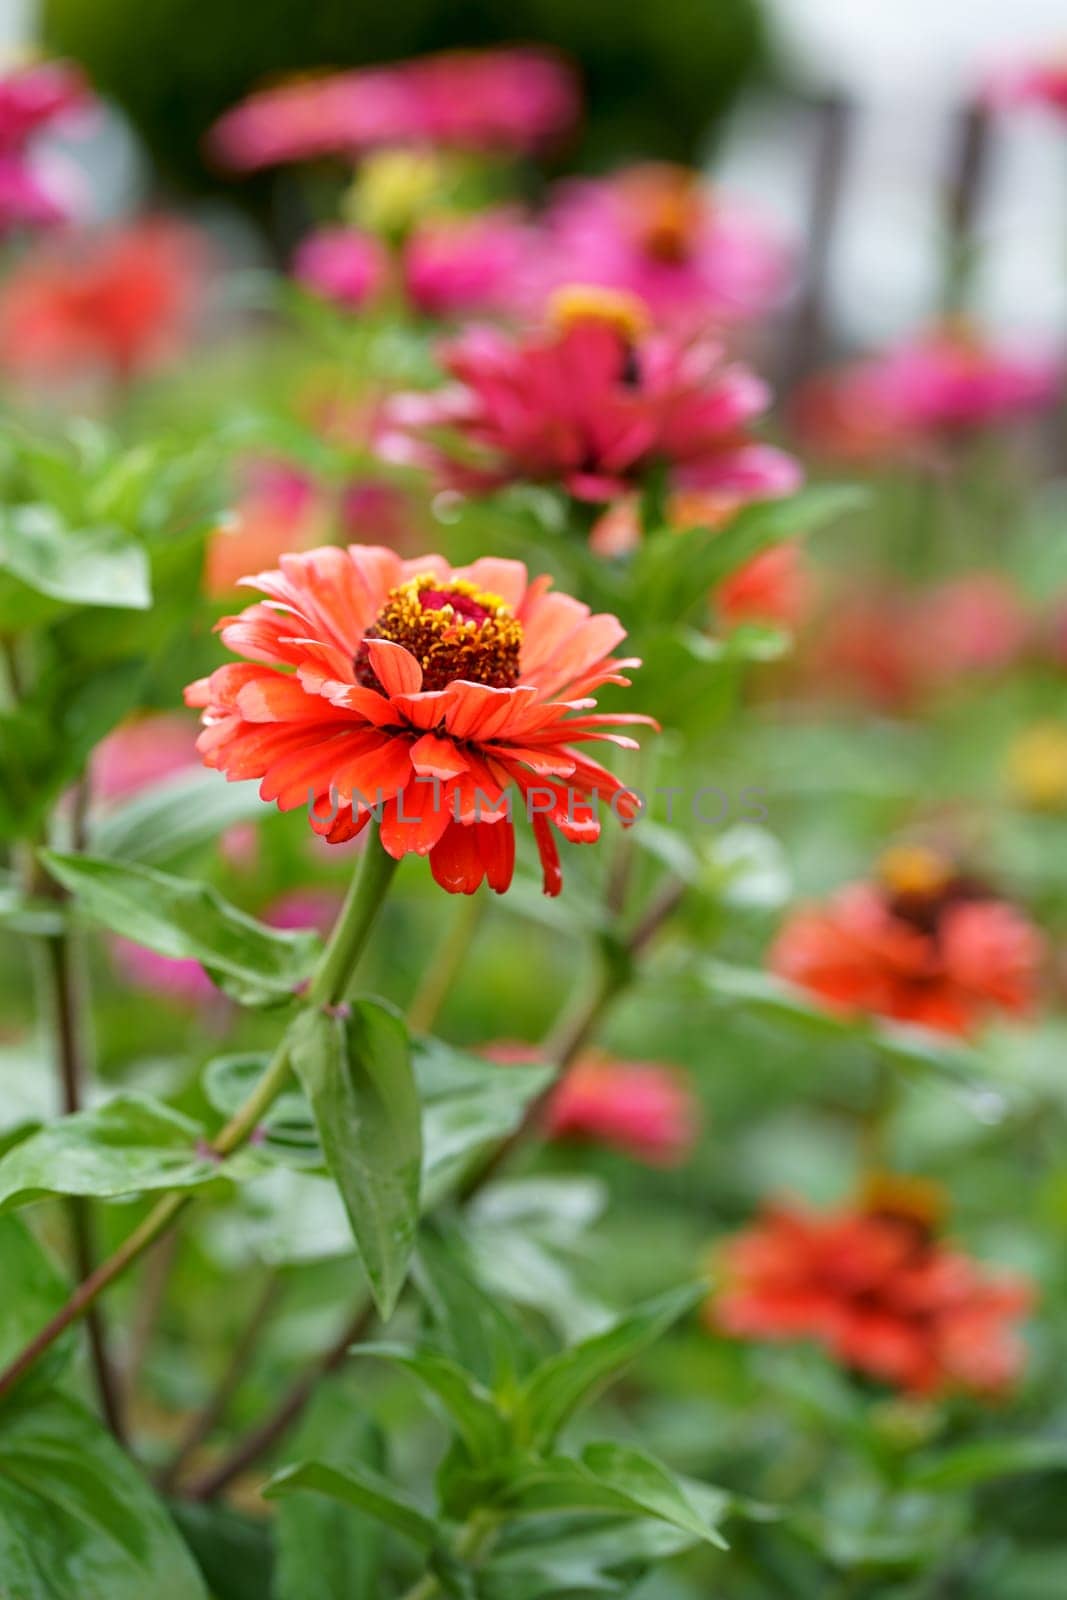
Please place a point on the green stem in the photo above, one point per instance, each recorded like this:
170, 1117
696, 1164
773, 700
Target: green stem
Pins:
444, 968
362, 904
472, 1541
327, 987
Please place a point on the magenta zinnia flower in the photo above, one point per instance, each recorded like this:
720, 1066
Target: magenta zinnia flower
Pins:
463, 266
593, 403
31, 99
659, 232
495, 100
343, 265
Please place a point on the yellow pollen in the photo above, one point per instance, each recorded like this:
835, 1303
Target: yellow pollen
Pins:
905, 1197
1037, 767
453, 629
579, 303
912, 869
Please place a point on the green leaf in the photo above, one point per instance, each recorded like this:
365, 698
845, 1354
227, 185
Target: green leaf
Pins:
360, 1487
169, 819
31, 914
130, 1145
77, 1521
564, 1382
469, 1106
465, 1402
187, 920
233, 1551
356, 1070
612, 1477
674, 570
95, 566
583, 1557
986, 1460
34, 1289
329, 1550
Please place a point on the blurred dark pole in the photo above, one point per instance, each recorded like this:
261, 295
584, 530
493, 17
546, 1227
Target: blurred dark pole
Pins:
968, 179
807, 336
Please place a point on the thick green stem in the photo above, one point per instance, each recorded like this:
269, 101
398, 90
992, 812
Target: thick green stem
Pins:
327, 988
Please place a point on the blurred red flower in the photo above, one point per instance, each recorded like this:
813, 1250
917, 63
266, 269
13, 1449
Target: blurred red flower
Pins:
116, 302
880, 1293
279, 510
774, 588
923, 946
32, 99
438, 695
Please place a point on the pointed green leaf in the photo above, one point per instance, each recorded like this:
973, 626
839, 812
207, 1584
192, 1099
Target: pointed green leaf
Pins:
986, 1460
169, 819
77, 1520
187, 920
469, 1106
327, 1549
33, 1291
356, 1070
466, 1403
130, 1145
617, 1478
94, 566
358, 1486
563, 1383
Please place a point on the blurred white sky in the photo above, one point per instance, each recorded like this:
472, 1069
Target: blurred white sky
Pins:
907, 64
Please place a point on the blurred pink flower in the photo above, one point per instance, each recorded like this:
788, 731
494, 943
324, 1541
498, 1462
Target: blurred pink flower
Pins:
1034, 83
142, 751
590, 404
279, 511
975, 623
945, 382
644, 1108
641, 1107
183, 982
304, 908
343, 265
464, 266
33, 97
660, 232
495, 100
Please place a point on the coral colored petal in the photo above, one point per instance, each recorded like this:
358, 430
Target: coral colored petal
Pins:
414, 821
496, 846
439, 758
455, 860
551, 873
395, 668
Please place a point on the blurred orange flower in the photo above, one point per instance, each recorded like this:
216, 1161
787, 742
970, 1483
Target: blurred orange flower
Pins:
942, 955
879, 1292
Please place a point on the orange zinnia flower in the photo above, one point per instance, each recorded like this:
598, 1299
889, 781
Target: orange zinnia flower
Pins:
924, 946
426, 696
876, 1288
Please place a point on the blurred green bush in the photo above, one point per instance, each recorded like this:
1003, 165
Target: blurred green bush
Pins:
657, 77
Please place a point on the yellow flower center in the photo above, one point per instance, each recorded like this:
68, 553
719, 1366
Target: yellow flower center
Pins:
453, 629
580, 303
1037, 767
905, 1198
666, 204
913, 870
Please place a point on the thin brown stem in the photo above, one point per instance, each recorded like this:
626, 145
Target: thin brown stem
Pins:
204, 1423
267, 1433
